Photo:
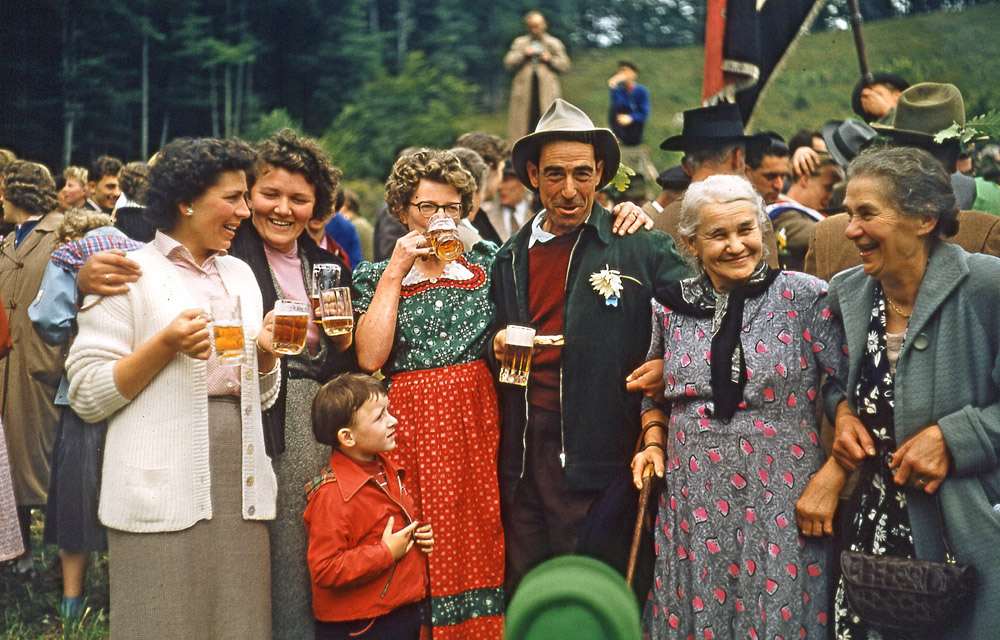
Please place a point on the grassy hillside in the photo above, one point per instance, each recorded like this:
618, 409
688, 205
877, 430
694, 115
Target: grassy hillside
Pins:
816, 82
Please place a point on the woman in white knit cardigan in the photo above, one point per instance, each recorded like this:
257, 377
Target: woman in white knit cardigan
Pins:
186, 481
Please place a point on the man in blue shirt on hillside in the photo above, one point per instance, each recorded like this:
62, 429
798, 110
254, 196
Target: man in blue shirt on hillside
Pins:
629, 104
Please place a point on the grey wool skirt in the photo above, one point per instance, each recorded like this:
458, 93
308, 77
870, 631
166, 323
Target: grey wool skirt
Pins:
211, 580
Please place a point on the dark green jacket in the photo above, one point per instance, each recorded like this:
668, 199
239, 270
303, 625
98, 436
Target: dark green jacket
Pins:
603, 345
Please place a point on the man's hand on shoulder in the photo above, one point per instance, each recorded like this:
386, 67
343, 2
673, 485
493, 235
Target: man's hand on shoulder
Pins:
628, 218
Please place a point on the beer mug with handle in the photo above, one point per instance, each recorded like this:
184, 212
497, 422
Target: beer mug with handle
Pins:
338, 316
325, 275
291, 322
227, 329
516, 363
442, 232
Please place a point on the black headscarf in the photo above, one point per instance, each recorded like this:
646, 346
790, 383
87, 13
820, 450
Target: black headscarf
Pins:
698, 298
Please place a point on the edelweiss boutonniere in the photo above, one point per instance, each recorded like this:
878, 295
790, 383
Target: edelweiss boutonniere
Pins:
608, 283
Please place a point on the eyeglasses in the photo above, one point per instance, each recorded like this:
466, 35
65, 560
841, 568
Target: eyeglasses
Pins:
427, 209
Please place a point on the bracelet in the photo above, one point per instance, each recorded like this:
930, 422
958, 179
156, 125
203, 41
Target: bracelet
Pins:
649, 425
654, 444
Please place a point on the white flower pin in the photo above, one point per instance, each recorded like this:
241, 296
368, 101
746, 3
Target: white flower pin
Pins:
608, 283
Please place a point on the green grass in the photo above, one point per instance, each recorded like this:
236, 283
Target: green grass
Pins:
31, 609
816, 82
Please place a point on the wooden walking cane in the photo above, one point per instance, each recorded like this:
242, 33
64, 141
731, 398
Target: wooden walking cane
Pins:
859, 43
647, 481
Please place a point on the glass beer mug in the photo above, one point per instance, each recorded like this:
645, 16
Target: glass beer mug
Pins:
227, 329
516, 363
338, 315
291, 322
325, 275
442, 233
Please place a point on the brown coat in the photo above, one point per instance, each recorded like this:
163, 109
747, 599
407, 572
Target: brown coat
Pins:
520, 89
670, 218
30, 373
830, 252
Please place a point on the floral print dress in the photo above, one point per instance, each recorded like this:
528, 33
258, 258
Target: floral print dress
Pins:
878, 521
730, 560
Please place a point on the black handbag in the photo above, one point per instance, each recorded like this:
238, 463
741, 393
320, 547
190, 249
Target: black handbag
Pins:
921, 596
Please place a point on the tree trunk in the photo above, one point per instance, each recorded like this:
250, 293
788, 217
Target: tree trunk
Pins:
227, 97
164, 128
144, 138
238, 101
402, 31
68, 78
214, 96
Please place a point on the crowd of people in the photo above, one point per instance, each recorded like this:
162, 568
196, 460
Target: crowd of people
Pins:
798, 338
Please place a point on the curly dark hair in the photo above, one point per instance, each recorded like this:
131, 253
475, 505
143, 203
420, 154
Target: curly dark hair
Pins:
186, 168
288, 151
434, 165
104, 166
29, 186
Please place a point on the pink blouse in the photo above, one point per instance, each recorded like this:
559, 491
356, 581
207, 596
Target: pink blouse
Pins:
203, 283
287, 268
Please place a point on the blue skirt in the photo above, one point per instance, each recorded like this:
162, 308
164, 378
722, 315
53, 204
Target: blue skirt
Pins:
75, 485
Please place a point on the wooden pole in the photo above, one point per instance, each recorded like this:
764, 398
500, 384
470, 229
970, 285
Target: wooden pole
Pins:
859, 43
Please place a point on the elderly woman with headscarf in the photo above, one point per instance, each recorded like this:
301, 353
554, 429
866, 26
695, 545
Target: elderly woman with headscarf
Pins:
743, 349
921, 419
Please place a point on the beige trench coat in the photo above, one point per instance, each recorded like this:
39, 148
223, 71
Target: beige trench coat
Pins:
30, 373
520, 89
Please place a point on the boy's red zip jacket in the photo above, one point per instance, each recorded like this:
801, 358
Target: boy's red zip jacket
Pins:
353, 574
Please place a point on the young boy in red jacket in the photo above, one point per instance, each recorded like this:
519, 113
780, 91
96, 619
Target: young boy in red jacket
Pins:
367, 579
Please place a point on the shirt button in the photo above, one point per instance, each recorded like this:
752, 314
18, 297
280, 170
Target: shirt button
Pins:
247, 409
250, 481
250, 449
443, 335
438, 304
434, 280
204, 275
230, 384
250, 510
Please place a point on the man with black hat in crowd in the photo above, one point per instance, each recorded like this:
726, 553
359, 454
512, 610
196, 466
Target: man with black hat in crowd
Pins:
923, 111
713, 143
567, 273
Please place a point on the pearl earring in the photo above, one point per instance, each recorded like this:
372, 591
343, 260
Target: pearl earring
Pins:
189, 211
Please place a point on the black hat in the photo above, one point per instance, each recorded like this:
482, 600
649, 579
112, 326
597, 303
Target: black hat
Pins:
881, 77
717, 124
846, 139
674, 178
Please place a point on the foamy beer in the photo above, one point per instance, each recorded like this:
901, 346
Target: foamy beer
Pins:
517, 356
443, 236
325, 275
227, 330
338, 316
291, 321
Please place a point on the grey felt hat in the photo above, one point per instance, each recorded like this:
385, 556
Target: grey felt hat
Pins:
563, 121
923, 111
845, 139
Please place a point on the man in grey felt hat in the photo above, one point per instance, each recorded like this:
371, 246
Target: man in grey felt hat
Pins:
567, 434
923, 110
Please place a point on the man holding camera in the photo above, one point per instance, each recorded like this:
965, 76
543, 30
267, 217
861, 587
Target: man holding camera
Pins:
536, 59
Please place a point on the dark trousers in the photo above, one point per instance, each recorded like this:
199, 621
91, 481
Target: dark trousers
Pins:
399, 624
544, 519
